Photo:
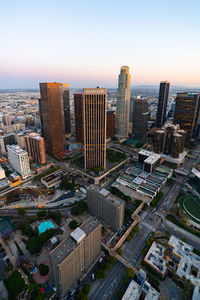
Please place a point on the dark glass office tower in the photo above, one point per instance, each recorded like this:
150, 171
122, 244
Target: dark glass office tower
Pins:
162, 103
79, 125
186, 113
66, 104
140, 119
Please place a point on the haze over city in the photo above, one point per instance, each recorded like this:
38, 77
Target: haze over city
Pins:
85, 42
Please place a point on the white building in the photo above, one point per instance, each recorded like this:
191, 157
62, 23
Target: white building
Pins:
19, 160
144, 291
155, 258
2, 173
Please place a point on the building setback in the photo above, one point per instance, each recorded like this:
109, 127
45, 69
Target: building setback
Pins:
79, 121
71, 258
19, 160
51, 105
123, 103
94, 112
66, 105
106, 206
110, 131
36, 148
162, 103
186, 113
140, 119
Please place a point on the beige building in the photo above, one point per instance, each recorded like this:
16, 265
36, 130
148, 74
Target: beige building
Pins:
106, 206
36, 148
70, 259
94, 112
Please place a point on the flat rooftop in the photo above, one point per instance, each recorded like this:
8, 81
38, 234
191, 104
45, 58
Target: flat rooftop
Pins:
59, 253
145, 152
144, 291
16, 149
152, 158
155, 258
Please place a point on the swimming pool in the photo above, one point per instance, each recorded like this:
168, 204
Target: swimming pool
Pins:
45, 226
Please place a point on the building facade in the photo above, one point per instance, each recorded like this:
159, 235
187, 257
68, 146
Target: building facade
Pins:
187, 113
94, 112
52, 111
106, 206
123, 103
8, 139
79, 120
36, 148
71, 258
162, 103
140, 119
66, 105
19, 160
110, 131
6, 119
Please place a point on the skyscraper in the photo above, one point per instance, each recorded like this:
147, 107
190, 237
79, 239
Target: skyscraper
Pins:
94, 112
187, 112
52, 111
35, 147
66, 105
110, 131
19, 160
79, 122
162, 103
140, 119
123, 103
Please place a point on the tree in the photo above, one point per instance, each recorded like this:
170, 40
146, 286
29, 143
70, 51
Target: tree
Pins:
120, 294
41, 214
111, 259
73, 224
43, 269
21, 211
100, 274
86, 289
119, 251
130, 273
34, 245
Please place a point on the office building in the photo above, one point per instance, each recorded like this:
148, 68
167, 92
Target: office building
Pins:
51, 105
169, 140
186, 113
94, 112
6, 119
105, 206
155, 258
72, 257
19, 160
123, 103
140, 119
141, 290
20, 139
110, 131
79, 120
8, 139
66, 105
41, 117
36, 148
162, 103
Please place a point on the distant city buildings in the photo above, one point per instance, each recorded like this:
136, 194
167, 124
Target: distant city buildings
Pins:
169, 140
140, 119
66, 105
19, 160
72, 257
8, 139
79, 119
162, 103
106, 206
6, 119
51, 105
36, 148
94, 112
110, 129
187, 113
123, 103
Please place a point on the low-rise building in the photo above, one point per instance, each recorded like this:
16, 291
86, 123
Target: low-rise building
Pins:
155, 258
19, 160
52, 179
144, 291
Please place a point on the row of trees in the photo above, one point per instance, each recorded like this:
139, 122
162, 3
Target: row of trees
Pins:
118, 193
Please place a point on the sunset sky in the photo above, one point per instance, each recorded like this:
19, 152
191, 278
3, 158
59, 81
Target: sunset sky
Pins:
84, 42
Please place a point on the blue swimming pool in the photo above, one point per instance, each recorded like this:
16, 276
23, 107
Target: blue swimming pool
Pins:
45, 226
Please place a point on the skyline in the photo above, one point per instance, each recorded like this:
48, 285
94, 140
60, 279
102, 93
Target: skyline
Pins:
86, 43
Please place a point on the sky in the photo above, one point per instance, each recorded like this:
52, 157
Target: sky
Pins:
85, 42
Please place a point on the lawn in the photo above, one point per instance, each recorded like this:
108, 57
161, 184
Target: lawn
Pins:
191, 205
15, 284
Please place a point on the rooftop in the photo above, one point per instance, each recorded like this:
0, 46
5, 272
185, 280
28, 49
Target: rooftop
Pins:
155, 258
145, 152
134, 292
152, 158
16, 149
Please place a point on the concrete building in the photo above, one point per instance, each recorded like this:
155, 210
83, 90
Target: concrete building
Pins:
123, 103
187, 113
51, 108
71, 258
19, 160
79, 120
52, 179
110, 131
151, 163
140, 119
2, 173
155, 258
20, 139
36, 148
169, 140
8, 139
6, 119
143, 291
162, 103
94, 112
106, 206
66, 105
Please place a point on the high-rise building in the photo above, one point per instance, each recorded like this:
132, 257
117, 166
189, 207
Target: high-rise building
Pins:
36, 148
79, 120
105, 206
162, 103
20, 139
52, 116
72, 257
94, 112
8, 139
6, 119
123, 103
169, 140
66, 104
110, 131
41, 117
19, 160
140, 119
186, 113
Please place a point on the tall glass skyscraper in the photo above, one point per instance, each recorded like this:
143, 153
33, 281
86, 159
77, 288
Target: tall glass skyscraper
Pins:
162, 103
123, 103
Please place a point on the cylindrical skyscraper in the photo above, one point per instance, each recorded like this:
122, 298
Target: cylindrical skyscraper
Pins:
123, 103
